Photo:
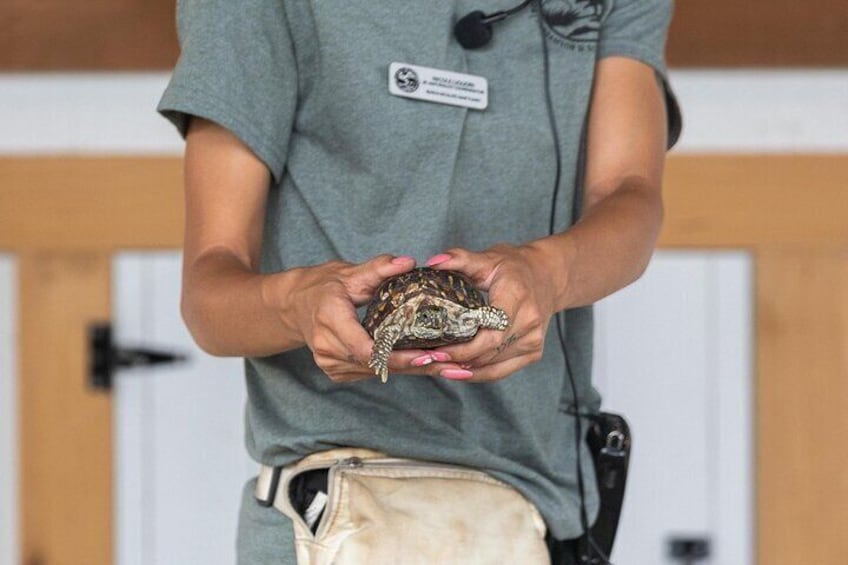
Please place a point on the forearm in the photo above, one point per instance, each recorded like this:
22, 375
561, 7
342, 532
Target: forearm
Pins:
608, 248
230, 310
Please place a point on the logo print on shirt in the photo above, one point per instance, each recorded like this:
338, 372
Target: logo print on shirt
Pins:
407, 79
575, 20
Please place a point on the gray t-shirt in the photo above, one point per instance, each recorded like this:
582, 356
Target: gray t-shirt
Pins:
358, 172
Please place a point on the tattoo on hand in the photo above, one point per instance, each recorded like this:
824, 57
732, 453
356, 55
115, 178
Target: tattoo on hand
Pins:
506, 343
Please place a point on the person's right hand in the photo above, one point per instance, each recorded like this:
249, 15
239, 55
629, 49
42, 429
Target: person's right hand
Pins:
319, 304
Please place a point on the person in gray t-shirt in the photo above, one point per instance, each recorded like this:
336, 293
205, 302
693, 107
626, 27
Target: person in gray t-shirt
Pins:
308, 183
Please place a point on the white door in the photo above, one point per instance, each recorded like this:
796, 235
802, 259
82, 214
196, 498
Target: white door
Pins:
673, 355
8, 415
180, 460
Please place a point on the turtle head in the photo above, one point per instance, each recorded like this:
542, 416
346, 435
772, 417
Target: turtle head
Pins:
430, 321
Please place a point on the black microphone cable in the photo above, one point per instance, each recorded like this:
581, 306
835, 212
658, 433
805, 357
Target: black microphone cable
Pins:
473, 31
588, 559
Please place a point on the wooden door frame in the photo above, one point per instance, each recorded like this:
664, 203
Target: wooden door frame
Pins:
64, 217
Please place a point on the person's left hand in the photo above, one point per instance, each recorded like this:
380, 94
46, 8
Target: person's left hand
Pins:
519, 282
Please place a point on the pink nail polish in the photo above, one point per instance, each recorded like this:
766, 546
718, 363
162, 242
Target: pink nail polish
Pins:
456, 374
402, 259
436, 259
421, 361
440, 357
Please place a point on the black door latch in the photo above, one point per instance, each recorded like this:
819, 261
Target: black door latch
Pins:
688, 550
105, 357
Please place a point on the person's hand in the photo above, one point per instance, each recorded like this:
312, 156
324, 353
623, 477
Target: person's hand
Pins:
518, 283
319, 304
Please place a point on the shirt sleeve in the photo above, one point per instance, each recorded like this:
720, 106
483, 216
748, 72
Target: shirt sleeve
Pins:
638, 29
236, 68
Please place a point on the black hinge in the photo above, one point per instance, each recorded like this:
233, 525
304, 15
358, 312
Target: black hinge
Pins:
105, 357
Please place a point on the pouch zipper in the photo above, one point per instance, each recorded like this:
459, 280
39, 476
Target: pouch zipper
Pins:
357, 462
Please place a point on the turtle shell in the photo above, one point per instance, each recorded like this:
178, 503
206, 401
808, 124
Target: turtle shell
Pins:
396, 291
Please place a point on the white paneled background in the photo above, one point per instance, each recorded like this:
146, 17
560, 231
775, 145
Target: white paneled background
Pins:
698, 375
763, 111
724, 111
8, 424
179, 451
673, 354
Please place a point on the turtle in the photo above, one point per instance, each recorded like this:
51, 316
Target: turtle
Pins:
426, 308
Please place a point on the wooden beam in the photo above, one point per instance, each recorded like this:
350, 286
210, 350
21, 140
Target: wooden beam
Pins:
759, 33
90, 202
51, 35
136, 202
114, 34
65, 426
802, 406
756, 200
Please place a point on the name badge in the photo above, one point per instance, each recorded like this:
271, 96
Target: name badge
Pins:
436, 85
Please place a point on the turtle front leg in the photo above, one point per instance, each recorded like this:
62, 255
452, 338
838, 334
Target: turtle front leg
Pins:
384, 340
491, 318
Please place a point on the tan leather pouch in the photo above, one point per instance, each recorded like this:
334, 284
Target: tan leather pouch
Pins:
398, 511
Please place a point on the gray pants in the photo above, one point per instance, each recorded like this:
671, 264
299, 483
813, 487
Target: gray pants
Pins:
265, 535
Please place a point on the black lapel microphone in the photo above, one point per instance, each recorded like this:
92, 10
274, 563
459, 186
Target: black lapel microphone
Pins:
474, 30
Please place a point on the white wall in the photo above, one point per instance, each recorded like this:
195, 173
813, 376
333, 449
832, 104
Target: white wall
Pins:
763, 111
89, 113
724, 111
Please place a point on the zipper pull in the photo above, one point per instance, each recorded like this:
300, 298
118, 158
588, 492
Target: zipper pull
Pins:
351, 462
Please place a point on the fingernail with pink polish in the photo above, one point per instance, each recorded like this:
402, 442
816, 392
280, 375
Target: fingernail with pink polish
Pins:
440, 357
456, 374
436, 259
402, 259
421, 361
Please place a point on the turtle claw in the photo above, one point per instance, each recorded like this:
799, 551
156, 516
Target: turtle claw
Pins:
380, 366
493, 318
384, 341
